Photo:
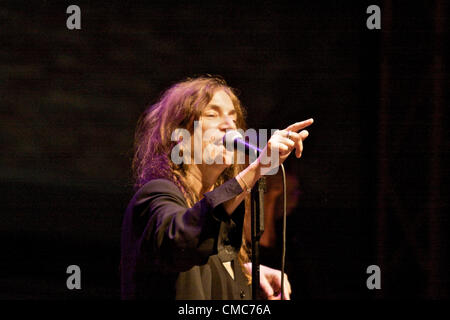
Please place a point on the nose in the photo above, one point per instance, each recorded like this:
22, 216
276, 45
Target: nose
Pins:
227, 124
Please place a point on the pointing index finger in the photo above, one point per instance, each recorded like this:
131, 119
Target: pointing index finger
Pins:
299, 125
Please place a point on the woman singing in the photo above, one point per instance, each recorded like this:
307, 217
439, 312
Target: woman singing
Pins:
182, 233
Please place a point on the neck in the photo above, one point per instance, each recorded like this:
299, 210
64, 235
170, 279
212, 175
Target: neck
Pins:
201, 177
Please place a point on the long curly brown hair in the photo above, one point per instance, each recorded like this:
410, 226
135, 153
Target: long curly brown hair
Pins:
178, 108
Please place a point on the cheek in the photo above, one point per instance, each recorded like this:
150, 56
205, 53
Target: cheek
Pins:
209, 124
211, 135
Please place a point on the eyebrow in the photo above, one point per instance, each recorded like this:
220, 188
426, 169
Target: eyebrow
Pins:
215, 106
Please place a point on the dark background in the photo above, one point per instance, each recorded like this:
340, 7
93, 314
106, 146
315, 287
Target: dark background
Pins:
374, 180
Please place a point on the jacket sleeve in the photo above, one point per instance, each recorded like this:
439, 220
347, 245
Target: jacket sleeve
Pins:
175, 238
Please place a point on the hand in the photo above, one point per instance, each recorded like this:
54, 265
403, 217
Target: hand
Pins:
283, 142
270, 282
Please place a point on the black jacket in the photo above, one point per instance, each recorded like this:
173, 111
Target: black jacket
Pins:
170, 251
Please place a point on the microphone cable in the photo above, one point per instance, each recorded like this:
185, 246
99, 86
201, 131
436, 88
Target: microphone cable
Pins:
283, 249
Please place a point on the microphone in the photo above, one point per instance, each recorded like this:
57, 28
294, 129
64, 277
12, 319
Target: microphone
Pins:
233, 140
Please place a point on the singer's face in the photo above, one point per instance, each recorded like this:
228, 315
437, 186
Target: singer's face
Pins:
216, 118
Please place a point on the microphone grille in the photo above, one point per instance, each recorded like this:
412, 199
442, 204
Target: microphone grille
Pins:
232, 135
